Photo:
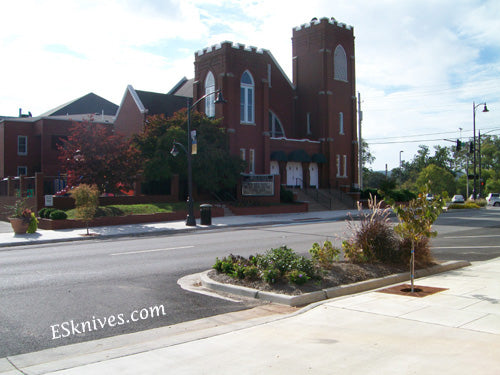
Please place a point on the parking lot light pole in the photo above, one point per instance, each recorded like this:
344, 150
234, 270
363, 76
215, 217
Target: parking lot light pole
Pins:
485, 109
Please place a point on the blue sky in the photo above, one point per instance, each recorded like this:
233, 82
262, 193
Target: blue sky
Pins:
419, 64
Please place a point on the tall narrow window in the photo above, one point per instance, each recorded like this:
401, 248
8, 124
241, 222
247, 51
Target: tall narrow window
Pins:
251, 161
210, 100
341, 123
340, 64
242, 154
309, 132
269, 75
275, 126
345, 165
22, 145
338, 166
22, 171
247, 98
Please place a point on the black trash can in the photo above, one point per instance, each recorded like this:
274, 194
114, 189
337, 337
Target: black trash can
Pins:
206, 214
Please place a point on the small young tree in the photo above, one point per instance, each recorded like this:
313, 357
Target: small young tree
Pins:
86, 201
415, 225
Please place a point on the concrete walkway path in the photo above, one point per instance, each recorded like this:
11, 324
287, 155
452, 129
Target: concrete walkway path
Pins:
455, 331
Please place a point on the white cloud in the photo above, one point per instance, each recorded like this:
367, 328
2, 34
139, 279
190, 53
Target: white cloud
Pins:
419, 64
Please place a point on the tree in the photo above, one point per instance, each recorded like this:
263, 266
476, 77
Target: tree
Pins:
94, 155
86, 202
367, 156
415, 225
214, 169
490, 152
438, 180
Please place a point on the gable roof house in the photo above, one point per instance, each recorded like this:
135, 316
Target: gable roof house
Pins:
29, 144
136, 105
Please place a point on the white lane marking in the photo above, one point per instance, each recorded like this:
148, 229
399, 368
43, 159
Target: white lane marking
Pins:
479, 236
465, 247
153, 250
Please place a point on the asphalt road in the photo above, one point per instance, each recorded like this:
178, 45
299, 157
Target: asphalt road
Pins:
50, 294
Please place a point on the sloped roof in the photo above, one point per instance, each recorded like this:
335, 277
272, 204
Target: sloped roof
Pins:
157, 103
183, 88
90, 103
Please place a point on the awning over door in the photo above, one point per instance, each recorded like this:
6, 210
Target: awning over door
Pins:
279, 156
299, 156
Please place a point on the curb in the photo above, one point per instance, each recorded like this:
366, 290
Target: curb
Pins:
163, 231
338, 291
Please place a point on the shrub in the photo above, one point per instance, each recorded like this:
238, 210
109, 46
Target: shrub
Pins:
372, 238
297, 277
458, 206
33, 225
271, 275
324, 256
44, 213
252, 273
274, 265
423, 256
41, 213
286, 196
58, 215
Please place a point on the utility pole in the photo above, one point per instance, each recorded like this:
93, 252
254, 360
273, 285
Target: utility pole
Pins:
360, 144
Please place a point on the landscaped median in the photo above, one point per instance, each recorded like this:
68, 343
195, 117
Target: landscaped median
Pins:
338, 291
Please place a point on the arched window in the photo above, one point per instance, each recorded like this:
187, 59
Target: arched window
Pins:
275, 126
340, 64
210, 100
247, 98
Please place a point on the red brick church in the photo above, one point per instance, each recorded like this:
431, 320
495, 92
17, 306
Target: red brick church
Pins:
304, 129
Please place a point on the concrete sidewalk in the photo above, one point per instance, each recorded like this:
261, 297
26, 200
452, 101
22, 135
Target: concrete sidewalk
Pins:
455, 331
8, 238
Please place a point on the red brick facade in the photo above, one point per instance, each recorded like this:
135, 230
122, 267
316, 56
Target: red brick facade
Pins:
317, 142
42, 136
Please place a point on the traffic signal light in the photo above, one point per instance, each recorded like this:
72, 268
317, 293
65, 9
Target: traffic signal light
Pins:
471, 148
459, 145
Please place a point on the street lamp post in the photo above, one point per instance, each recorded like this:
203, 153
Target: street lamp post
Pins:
485, 109
190, 219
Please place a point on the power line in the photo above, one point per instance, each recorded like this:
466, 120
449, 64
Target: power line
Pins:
426, 134
411, 141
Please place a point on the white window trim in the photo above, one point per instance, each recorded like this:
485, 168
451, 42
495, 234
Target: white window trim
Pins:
248, 89
251, 161
338, 166
25, 152
275, 120
210, 100
340, 64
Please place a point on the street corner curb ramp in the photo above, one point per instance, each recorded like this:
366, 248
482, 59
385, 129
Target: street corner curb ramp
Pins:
338, 291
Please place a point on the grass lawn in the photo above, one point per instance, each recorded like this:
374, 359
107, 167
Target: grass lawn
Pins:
136, 209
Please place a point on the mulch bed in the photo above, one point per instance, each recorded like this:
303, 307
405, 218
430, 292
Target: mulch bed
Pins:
340, 274
418, 290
